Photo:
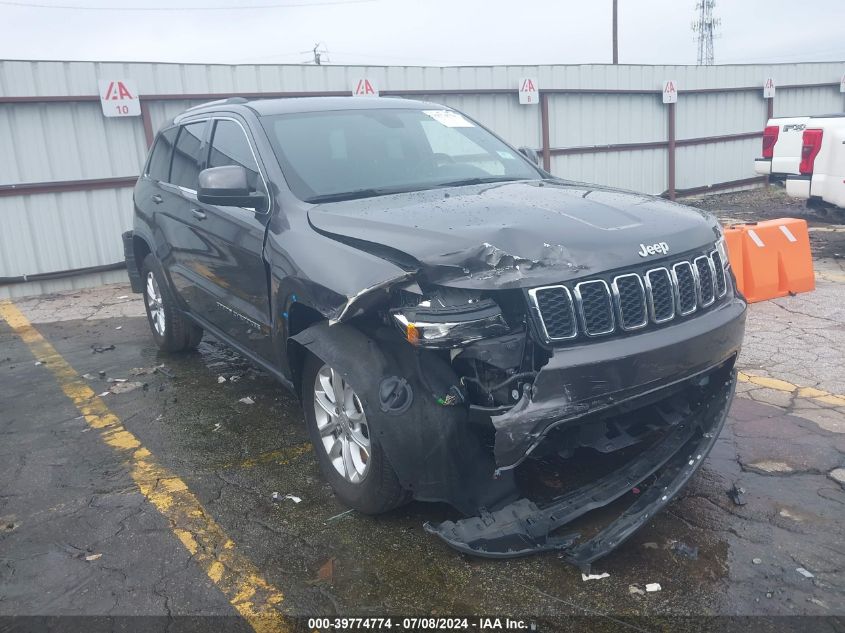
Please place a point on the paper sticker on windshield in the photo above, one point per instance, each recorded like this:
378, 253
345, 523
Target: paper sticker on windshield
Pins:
449, 118
505, 155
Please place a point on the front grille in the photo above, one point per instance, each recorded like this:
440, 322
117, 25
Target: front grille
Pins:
594, 304
687, 295
556, 303
707, 291
631, 300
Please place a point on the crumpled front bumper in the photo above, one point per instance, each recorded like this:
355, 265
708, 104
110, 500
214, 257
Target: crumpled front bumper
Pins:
522, 527
603, 374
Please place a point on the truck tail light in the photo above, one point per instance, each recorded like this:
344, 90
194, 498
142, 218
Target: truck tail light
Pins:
770, 137
812, 143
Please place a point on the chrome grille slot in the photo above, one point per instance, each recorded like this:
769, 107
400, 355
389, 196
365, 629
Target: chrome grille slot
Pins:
595, 306
706, 278
685, 288
661, 295
721, 275
557, 311
629, 293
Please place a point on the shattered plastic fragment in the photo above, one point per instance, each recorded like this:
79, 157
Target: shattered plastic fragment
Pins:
594, 576
125, 387
804, 572
635, 591
221, 380
246, 400
652, 587
92, 557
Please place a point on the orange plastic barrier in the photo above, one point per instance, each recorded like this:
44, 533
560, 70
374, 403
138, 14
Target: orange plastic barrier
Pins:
771, 259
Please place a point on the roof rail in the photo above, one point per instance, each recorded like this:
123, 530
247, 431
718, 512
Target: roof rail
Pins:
209, 103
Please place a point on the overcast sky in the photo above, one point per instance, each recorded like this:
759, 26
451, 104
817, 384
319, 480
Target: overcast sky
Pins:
416, 32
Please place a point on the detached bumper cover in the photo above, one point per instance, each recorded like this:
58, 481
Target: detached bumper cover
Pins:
523, 528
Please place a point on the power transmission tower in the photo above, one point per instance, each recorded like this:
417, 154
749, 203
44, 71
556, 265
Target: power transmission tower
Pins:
704, 27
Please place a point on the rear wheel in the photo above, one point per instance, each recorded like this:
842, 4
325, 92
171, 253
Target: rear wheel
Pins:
171, 330
350, 458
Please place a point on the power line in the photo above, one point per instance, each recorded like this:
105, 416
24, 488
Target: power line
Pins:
251, 7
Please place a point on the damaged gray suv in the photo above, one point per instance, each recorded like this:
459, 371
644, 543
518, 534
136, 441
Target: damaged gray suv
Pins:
459, 325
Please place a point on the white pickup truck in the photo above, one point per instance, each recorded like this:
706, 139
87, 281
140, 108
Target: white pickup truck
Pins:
781, 148
821, 170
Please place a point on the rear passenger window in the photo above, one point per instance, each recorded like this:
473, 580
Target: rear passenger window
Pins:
229, 146
185, 169
159, 167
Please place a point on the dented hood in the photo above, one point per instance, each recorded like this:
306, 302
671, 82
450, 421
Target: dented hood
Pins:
514, 234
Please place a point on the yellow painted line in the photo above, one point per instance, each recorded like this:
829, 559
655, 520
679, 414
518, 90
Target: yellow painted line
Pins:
283, 456
234, 575
801, 392
830, 276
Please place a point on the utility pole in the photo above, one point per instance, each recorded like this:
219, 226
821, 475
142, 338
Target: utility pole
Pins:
615, 31
704, 27
317, 53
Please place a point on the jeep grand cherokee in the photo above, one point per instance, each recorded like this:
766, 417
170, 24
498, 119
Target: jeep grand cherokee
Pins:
447, 311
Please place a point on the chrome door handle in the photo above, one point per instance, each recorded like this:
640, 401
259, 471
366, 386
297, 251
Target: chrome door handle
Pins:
198, 214
157, 199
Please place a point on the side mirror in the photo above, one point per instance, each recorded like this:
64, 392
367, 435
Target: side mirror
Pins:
227, 187
531, 154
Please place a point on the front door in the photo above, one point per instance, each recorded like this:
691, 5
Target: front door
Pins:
237, 299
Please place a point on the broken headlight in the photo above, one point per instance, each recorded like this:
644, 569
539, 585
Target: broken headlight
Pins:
450, 318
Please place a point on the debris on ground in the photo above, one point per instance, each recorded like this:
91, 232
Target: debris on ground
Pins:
838, 475
119, 327
339, 516
99, 349
246, 400
279, 497
594, 576
756, 561
125, 387
687, 551
101, 373
161, 369
234, 378
635, 591
38, 363
121, 297
217, 427
104, 394
736, 495
92, 557
146, 371
651, 545
88, 376
326, 571
117, 379
8, 526
652, 587
221, 380
804, 572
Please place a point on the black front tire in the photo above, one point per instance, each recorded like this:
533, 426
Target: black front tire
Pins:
379, 491
173, 332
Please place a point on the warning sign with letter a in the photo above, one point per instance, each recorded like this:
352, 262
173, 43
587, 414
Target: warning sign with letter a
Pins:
528, 91
670, 91
365, 88
119, 98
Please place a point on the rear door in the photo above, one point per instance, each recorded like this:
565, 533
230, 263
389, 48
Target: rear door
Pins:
186, 249
235, 278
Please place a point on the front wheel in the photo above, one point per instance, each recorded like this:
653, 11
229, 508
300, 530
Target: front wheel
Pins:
350, 458
171, 330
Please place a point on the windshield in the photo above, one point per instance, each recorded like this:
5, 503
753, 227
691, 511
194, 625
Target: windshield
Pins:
346, 154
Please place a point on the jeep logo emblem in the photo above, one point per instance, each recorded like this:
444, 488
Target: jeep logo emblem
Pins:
653, 249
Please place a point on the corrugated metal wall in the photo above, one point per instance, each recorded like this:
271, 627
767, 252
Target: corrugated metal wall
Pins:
71, 140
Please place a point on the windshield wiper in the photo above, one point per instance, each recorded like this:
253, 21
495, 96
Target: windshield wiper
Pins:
477, 181
348, 195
